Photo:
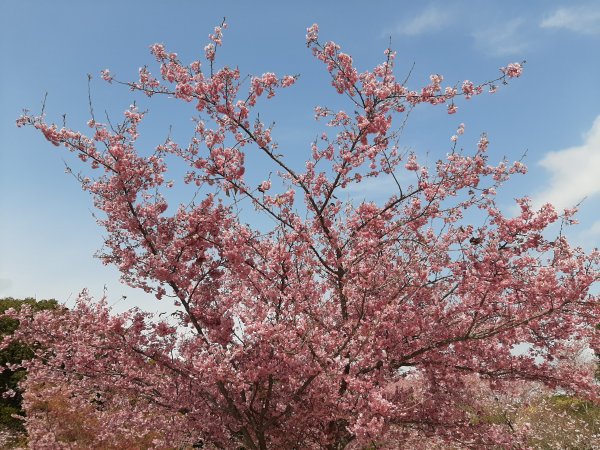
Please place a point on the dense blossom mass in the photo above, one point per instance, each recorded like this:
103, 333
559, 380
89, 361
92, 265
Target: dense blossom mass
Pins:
350, 324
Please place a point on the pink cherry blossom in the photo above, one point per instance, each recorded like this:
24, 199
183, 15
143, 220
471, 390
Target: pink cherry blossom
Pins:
350, 323
106, 75
265, 186
513, 70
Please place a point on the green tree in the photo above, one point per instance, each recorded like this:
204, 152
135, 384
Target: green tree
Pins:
14, 353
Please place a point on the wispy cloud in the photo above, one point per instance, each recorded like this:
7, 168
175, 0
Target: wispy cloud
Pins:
502, 39
579, 19
574, 172
431, 19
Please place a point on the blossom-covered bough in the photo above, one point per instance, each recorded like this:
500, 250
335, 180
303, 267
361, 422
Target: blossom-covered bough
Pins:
348, 325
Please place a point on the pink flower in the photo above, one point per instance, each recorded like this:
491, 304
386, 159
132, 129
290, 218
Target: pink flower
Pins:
412, 164
483, 142
513, 70
106, 76
9, 393
287, 81
209, 52
265, 186
312, 34
468, 88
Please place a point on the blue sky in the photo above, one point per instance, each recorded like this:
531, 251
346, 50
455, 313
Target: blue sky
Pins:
48, 235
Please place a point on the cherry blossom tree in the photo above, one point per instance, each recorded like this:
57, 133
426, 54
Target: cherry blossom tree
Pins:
348, 324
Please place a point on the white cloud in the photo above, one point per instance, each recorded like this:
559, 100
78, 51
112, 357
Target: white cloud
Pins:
580, 19
502, 39
431, 19
574, 172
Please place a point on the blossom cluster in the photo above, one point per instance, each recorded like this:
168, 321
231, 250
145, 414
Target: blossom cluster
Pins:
350, 323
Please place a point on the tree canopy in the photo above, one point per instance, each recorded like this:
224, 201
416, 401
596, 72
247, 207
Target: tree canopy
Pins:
351, 323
